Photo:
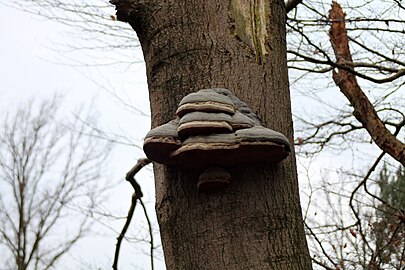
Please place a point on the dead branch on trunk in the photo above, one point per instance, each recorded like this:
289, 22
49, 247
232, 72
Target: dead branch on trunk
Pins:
363, 109
130, 177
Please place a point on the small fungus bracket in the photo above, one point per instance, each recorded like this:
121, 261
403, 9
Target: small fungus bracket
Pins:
214, 130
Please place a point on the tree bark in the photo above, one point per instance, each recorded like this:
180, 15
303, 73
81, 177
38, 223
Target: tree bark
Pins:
256, 222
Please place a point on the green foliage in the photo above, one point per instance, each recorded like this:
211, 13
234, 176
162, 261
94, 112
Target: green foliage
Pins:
388, 230
392, 189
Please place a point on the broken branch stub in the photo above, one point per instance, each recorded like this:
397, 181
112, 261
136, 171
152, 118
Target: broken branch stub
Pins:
214, 129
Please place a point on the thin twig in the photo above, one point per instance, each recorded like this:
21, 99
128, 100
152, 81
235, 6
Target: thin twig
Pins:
358, 222
322, 264
320, 244
142, 162
152, 245
130, 177
124, 230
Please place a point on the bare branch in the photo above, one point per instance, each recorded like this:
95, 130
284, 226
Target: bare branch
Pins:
34, 148
291, 4
124, 230
363, 109
130, 177
151, 243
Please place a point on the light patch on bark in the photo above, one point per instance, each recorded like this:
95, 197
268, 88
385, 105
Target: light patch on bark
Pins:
248, 18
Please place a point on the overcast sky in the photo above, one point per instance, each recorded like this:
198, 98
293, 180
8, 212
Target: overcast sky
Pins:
31, 67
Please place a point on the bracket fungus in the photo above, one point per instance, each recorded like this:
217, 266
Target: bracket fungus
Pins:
214, 130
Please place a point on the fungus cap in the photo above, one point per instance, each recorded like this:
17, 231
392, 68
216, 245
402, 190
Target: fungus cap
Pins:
231, 149
196, 123
206, 100
213, 178
161, 141
203, 137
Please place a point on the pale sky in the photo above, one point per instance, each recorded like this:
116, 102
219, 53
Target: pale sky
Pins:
30, 67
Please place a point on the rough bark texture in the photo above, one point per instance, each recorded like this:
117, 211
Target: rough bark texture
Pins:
256, 222
363, 109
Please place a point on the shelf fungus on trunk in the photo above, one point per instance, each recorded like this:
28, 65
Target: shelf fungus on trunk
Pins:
214, 130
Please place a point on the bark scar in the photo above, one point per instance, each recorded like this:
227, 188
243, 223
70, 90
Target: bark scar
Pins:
248, 24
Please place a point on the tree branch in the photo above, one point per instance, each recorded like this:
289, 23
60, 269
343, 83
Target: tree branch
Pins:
124, 230
130, 177
291, 4
363, 109
350, 68
321, 246
137, 167
152, 245
362, 183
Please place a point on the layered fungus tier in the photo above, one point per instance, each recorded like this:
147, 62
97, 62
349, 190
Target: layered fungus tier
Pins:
214, 128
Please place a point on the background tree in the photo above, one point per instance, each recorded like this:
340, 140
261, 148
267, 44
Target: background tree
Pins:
392, 188
389, 229
353, 233
374, 32
372, 239
50, 183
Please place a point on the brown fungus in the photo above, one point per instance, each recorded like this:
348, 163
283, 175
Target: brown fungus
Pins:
214, 129
161, 142
198, 123
213, 178
206, 100
240, 121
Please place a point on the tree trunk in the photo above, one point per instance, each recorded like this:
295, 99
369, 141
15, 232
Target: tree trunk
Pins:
256, 222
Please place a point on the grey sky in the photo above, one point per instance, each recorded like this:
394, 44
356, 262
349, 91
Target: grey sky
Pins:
31, 67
